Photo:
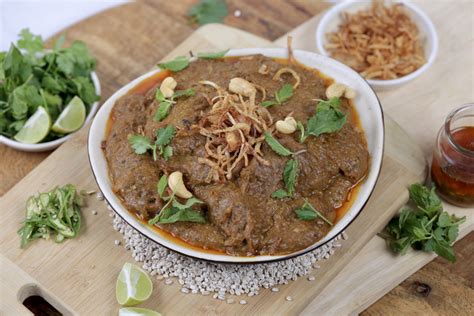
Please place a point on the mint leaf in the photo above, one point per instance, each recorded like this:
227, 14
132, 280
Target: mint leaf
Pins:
280, 194
167, 152
290, 173
268, 103
215, 55
140, 144
276, 146
308, 213
181, 215
281, 96
177, 64
208, 11
161, 185
284, 93
425, 199
189, 203
327, 119
180, 93
162, 112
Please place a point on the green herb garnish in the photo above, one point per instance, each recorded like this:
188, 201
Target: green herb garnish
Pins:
33, 77
276, 146
426, 228
165, 105
52, 214
281, 96
208, 11
174, 211
308, 213
177, 64
290, 173
215, 55
141, 144
327, 119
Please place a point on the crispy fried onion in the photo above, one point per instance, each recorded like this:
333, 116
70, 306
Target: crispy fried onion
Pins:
290, 71
234, 129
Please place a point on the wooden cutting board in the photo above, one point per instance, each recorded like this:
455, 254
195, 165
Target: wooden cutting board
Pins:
79, 275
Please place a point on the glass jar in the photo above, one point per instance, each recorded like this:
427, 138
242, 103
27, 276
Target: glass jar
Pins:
452, 169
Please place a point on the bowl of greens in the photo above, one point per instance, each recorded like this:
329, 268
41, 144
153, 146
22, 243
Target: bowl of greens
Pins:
45, 94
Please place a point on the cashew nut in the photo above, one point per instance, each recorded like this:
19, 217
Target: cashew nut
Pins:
286, 126
337, 90
242, 87
350, 93
167, 87
176, 184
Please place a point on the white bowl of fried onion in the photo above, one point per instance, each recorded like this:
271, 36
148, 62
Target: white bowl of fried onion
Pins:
388, 50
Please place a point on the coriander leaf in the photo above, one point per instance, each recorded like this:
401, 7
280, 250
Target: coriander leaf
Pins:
165, 135
162, 111
188, 93
31, 43
268, 103
189, 203
208, 11
276, 146
425, 199
290, 173
303, 135
161, 185
280, 194
177, 64
284, 93
85, 89
213, 55
308, 213
139, 143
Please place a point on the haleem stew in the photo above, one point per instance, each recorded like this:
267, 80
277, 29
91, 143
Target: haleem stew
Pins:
245, 155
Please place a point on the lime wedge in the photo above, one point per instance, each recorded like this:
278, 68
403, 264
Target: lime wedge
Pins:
133, 285
35, 129
137, 311
71, 118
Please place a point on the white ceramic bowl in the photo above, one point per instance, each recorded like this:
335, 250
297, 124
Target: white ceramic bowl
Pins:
54, 143
371, 117
332, 18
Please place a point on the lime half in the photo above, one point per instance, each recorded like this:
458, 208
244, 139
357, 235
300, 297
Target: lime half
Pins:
137, 311
133, 285
71, 118
36, 128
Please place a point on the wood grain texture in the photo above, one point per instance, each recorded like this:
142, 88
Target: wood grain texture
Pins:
87, 259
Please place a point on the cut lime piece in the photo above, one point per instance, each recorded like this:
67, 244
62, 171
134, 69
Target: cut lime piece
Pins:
137, 311
71, 118
36, 128
133, 285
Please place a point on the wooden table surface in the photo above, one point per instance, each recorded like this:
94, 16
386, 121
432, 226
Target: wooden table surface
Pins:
451, 284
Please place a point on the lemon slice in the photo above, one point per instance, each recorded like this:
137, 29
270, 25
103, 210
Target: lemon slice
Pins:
137, 311
36, 128
133, 286
71, 118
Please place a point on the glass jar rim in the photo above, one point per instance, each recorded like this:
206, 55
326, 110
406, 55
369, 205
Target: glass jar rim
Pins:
447, 128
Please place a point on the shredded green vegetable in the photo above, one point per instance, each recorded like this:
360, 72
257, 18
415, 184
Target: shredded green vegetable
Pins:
54, 214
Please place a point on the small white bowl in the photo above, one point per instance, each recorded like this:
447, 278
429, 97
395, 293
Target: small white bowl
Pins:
55, 143
370, 113
330, 23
